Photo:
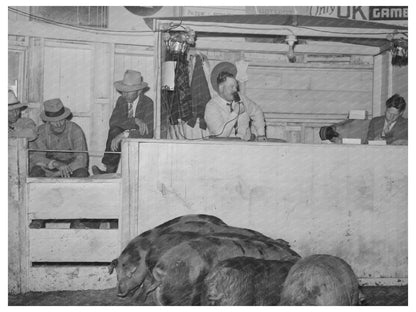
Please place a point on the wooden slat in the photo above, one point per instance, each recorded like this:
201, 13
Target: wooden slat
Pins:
310, 79
310, 102
51, 278
67, 245
61, 200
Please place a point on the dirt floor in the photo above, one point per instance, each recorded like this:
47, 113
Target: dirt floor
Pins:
375, 296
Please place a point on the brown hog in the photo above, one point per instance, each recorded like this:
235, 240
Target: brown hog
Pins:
320, 280
180, 271
131, 265
245, 281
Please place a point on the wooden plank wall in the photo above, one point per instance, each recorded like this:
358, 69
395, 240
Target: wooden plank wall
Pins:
349, 201
46, 259
297, 99
82, 74
61, 199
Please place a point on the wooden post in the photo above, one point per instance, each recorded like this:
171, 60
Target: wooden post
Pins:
18, 221
158, 69
128, 226
380, 83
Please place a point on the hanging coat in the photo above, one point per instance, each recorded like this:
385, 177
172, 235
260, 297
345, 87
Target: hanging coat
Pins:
200, 94
182, 98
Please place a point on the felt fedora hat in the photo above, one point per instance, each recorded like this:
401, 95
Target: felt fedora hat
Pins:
14, 102
54, 110
132, 81
222, 67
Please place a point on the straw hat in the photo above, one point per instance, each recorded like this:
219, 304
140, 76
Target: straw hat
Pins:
220, 67
132, 81
54, 110
14, 102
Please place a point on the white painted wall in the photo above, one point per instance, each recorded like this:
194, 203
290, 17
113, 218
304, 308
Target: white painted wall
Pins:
348, 201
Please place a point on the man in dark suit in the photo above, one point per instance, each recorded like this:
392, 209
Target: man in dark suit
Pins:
391, 127
131, 118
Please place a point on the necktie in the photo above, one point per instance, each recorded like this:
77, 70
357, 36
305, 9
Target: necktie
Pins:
236, 123
130, 115
386, 129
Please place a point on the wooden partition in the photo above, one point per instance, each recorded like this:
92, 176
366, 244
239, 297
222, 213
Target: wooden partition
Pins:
345, 200
60, 257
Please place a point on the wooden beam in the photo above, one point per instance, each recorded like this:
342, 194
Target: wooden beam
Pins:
22, 164
73, 245
88, 199
79, 277
236, 28
157, 66
313, 47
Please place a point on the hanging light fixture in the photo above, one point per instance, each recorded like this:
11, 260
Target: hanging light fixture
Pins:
178, 42
399, 52
291, 40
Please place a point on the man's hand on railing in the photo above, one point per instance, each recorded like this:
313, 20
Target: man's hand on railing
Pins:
116, 142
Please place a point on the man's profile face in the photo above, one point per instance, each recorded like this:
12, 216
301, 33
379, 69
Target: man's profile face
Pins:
130, 96
58, 126
14, 115
392, 114
227, 89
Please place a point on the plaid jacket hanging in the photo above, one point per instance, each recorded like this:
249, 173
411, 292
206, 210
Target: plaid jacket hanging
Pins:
200, 94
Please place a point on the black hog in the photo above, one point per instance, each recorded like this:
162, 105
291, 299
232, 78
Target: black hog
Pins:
131, 265
320, 280
180, 271
245, 281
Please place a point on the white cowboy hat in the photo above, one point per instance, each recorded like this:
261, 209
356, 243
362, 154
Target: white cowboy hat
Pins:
14, 102
54, 110
221, 67
132, 81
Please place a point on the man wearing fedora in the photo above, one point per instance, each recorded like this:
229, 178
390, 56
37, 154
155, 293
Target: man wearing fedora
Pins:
229, 113
60, 134
19, 127
132, 117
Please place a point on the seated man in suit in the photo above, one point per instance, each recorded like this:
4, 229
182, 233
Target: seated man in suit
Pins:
132, 117
391, 127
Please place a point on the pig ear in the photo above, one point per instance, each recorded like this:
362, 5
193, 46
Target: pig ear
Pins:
131, 271
158, 273
112, 265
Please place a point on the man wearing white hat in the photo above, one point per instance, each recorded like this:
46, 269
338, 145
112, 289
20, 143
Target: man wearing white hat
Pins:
19, 127
60, 135
132, 117
229, 113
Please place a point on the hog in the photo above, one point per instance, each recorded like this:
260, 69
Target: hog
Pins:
320, 280
245, 281
131, 265
179, 273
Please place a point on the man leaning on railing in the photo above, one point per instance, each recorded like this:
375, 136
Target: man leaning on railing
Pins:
55, 139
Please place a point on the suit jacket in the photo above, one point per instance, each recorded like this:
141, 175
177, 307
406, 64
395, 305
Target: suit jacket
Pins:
398, 132
144, 111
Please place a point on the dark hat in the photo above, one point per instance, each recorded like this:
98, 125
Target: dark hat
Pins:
222, 67
14, 102
54, 110
327, 133
132, 81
